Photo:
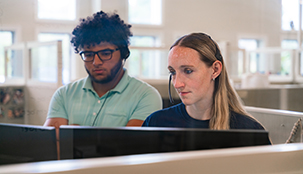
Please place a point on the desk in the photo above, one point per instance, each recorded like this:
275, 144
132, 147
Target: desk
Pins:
282, 158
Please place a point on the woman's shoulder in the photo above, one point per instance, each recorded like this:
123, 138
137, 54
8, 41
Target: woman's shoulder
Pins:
163, 116
168, 111
239, 121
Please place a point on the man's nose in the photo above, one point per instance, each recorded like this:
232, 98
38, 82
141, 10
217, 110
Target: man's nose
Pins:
97, 60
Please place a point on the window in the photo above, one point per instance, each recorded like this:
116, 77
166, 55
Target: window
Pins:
57, 9
292, 44
44, 63
285, 56
251, 44
6, 40
144, 41
66, 51
148, 12
289, 44
275, 62
290, 14
148, 62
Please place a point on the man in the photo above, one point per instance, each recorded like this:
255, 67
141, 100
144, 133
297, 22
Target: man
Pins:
108, 97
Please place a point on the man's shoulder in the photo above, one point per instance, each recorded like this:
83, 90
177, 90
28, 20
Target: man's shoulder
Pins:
136, 81
78, 84
139, 85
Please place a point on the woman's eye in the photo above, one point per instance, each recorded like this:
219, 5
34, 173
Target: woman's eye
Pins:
172, 72
188, 71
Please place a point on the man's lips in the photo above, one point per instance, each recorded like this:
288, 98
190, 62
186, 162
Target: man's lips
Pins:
99, 71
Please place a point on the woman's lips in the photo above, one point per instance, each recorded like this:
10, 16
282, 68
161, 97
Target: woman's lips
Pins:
184, 93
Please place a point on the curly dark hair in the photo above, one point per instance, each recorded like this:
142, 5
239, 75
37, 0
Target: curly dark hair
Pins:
101, 27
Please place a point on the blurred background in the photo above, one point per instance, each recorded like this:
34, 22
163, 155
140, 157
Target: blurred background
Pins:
260, 40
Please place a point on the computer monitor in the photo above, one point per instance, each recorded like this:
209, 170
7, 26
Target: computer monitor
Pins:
88, 142
26, 143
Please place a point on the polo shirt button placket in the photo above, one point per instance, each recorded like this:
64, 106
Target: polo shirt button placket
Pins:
99, 101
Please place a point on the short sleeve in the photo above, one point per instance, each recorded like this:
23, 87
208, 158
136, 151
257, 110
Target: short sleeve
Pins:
150, 102
57, 106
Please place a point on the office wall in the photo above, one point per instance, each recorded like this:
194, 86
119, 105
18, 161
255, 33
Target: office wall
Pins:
224, 20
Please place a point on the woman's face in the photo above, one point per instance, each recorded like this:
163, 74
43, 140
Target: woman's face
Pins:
191, 77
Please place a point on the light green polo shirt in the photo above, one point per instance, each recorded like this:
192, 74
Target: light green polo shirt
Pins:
80, 104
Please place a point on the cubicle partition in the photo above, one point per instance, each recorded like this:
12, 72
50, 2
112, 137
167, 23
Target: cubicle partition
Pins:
283, 126
278, 159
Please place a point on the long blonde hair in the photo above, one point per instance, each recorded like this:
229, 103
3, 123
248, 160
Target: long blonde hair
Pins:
225, 99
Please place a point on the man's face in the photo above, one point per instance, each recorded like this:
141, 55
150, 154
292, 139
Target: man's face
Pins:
103, 71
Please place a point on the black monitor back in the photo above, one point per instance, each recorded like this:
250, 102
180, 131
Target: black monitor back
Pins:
88, 142
26, 143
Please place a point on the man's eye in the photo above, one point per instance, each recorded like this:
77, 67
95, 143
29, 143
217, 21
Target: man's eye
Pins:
188, 71
88, 54
105, 53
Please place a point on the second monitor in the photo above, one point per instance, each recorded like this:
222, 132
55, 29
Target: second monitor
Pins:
88, 142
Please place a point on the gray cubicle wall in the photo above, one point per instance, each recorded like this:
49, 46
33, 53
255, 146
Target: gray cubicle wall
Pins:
279, 123
286, 97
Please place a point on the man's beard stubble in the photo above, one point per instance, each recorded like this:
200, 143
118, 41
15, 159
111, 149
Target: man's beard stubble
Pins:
113, 73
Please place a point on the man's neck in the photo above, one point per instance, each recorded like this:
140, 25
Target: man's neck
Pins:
103, 88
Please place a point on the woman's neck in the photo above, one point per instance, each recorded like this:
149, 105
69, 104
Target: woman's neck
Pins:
199, 111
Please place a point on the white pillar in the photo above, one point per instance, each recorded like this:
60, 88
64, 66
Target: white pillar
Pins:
300, 25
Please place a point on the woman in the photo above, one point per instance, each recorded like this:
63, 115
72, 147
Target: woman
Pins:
199, 76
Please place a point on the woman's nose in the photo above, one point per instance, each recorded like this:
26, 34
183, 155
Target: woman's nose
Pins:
178, 82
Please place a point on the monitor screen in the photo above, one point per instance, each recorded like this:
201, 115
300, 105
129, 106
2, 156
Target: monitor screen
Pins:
88, 142
26, 143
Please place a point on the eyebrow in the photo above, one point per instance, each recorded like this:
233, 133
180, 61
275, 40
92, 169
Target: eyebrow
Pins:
186, 66
182, 66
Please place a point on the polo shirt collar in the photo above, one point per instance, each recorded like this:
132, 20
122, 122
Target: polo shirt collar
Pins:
123, 82
119, 87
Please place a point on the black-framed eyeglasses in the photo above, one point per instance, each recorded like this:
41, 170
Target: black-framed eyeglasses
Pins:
89, 56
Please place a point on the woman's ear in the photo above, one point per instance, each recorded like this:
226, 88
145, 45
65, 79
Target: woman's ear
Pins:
217, 68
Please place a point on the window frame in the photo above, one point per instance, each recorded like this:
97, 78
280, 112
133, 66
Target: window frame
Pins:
70, 51
16, 30
16, 80
157, 47
30, 80
273, 77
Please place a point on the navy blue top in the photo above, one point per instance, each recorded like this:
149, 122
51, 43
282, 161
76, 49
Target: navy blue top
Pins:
177, 116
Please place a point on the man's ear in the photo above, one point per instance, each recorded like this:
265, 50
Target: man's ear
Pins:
217, 68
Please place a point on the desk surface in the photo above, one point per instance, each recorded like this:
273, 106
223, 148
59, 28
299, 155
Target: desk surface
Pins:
283, 158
